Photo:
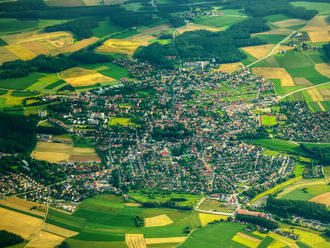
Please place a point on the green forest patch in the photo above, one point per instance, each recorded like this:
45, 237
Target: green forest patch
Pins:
106, 28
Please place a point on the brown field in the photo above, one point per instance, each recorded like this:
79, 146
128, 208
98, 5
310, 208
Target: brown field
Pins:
207, 218
57, 152
315, 95
153, 241
302, 82
6, 56
274, 31
24, 205
119, 46
132, 204
289, 23
66, 3
323, 198
157, 29
159, 220
231, 67
318, 23
319, 36
106, 2
20, 51
24, 225
59, 230
142, 39
36, 47
323, 68
274, 73
79, 76
325, 93
45, 240
135, 241
263, 50
79, 45
194, 27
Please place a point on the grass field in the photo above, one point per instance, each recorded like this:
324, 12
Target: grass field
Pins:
219, 21
268, 120
105, 28
271, 38
110, 70
20, 83
231, 67
10, 25
276, 18
319, 6
305, 191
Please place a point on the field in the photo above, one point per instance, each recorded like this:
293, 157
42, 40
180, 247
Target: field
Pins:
193, 27
119, 46
205, 219
270, 38
304, 190
311, 239
323, 69
121, 121
323, 198
246, 240
289, 23
274, 73
231, 67
319, 6
79, 76
23, 205
135, 241
20, 83
268, 120
58, 152
159, 220
110, 70
263, 50
215, 205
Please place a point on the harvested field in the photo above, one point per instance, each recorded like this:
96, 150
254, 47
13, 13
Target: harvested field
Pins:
157, 29
263, 50
274, 73
65, 3
20, 51
36, 47
323, 68
289, 23
153, 241
159, 220
24, 205
315, 95
79, 45
246, 240
106, 2
319, 36
231, 67
132, 204
143, 39
194, 27
318, 23
207, 218
323, 198
21, 224
6, 55
59, 230
45, 240
325, 93
135, 241
119, 46
274, 31
79, 76
302, 82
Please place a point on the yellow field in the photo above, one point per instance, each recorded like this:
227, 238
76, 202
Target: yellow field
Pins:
106, 2
282, 241
59, 230
311, 239
263, 50
319, 36
318, 23
78, 76
20, 51
24, 205
45, 240
274, 73
79, 45
246, 240
153, 241
323, 198
135, 241
119, 46
323, 68
58, 152
302, 82
231, 67
207, 218
159, 220
315, 95
133, 204
194, 27
24, 225
65, 3
156, 29
274, 31
289, 23
6, 55
142, 39
277, 244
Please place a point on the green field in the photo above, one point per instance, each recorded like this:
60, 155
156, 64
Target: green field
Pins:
321, 7
268, 120
307, 193
107, 219
20, 83
55, 84
278, 145
106, 28
271, 38
109, 70
219, 21
276, 18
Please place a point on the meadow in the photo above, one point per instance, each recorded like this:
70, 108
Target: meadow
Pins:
319, 6
20, 83
268, 120
306, 192
220, 21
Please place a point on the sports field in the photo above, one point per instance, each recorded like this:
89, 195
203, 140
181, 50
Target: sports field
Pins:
268, 120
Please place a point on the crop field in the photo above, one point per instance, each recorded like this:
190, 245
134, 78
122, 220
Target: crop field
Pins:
20, 51
246, 240
215, 205
11, 25
135, 241
57, 152
312, 239
263, 50
319, 36
119, 46
302, 82
276, 18
6, 55
24, 205
28, 225
160, 220
79, 76
231, 67
193, 27
222, 21
289, 23
45, 240
172, 240
270, 38
207, 218
318, 23
323, 198
323, 69
274, 73
110, 70
78, 45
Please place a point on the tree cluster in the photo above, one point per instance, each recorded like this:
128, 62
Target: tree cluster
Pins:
171, 133
9, 238
139, 221
326, 49
318, 153
258, 221
310, 210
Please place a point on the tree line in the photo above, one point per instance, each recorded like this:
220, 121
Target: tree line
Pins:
257, 220
306, 209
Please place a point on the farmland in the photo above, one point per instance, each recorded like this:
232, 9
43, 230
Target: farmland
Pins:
205, 219
119, 46
214, 205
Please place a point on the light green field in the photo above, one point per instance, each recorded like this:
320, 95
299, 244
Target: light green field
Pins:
321, 7
307, 194
20, 83
121, 121
220, 21
268, 120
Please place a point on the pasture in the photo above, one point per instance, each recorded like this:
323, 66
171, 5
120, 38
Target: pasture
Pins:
270, 38
219, 21
119, 46
319, 6
20, 83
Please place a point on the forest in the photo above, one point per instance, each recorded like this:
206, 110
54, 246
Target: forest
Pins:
9, 238
310, 210
257, 220
326, 48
